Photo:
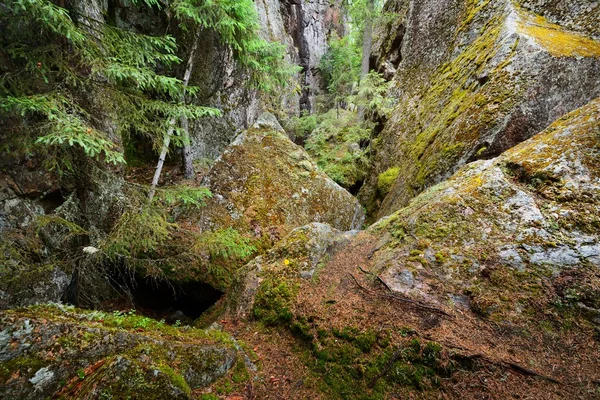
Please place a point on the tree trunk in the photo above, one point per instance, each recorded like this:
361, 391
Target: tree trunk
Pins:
167, 140
366, 50
188, 162
367, 38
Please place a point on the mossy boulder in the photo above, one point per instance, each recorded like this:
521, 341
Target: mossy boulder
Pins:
500, 232
475, 79
267, 286
265, 186
55, 350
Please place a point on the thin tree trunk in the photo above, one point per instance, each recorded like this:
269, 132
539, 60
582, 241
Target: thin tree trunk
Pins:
188, 162
366, 50
167, 140
367, 39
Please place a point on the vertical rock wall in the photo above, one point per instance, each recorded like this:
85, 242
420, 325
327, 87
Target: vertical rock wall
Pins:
304, 27
473, 79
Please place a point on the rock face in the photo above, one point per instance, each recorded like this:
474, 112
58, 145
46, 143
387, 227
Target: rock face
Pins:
304, 27
54, 350
265, 185
474, 80
530, 216
496, 261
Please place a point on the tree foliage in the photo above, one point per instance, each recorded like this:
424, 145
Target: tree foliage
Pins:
64, 74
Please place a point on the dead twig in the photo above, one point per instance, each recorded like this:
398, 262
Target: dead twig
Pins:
359, 285
372, 252
376, 277
514, 367
387, 368
392, 295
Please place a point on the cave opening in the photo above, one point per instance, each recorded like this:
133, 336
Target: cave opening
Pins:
52, 200
172, 301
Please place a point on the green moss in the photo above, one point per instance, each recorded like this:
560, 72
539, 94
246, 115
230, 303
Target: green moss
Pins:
386, 179
240, 373
348, 374
302, 329
176, 379
25, 364
441, 257
273, 304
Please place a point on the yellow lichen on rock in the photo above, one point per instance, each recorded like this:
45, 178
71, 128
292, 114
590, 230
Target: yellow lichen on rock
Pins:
554, 38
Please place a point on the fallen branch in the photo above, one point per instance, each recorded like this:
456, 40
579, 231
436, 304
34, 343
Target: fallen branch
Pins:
359, 285
404, 299
514, 367
387, 368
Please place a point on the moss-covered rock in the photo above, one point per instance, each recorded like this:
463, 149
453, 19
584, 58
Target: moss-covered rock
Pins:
476, 78
268, 286
264, 186
54, 350
528, 216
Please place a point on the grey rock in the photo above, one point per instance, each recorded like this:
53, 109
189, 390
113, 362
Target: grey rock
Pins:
511, 256
560, 257
123, 353
433, 40
42, 378
267, 120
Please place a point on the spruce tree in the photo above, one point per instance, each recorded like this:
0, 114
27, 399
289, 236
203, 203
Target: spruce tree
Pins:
63, 74
53, 66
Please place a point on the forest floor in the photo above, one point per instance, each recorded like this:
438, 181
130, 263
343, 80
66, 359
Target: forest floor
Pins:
491, 360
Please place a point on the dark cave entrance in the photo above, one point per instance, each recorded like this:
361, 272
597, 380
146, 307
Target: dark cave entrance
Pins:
172, 301
166, 300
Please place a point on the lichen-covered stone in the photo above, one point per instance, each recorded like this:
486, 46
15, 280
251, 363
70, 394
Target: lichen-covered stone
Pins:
264, 186
475, 79
531, 213
55, 350
300, 255
580, 16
